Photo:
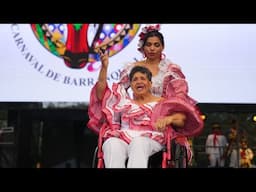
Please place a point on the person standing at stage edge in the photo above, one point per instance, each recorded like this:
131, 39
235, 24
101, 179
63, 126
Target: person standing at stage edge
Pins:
215, 146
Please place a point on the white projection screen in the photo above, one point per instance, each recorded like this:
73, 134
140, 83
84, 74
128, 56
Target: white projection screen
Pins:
57, 62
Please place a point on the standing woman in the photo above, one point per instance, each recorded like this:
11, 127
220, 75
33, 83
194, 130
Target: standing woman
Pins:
168, 80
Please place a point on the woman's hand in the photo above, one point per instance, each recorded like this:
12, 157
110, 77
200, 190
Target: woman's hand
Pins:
177, 119
103, 57
162, 123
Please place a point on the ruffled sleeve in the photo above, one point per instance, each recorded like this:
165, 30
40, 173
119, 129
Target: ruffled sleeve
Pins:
107, 112
99, 111
175, 84
96, 116
194, 123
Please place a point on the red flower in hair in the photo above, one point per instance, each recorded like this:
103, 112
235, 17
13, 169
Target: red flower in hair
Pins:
144, 31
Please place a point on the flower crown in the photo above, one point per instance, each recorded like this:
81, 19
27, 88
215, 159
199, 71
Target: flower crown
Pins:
144, 31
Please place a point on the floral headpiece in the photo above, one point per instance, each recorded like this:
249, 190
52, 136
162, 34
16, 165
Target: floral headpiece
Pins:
144, 31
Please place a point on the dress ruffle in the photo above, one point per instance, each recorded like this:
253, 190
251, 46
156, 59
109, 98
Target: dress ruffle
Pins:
193, 124
116, 102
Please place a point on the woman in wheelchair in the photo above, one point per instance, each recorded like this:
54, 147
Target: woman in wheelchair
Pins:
132, 129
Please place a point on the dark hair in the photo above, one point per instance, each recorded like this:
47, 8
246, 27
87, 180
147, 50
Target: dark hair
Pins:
140, 69
216, 125
154, 33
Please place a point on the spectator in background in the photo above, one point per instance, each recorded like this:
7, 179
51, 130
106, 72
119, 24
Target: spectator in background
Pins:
246, 155
234, 137
216, 144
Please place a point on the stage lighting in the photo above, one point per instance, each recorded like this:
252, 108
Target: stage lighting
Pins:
254, 118
203, 117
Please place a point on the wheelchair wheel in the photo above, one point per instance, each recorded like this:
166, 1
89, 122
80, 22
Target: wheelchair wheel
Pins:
179, 154
95, 159
155, 160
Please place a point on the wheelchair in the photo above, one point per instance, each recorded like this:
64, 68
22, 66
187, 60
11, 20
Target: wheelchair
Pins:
173, 155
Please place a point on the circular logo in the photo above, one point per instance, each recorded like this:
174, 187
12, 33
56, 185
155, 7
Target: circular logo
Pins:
77, 44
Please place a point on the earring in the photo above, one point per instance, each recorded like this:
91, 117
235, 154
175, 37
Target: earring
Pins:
163, 56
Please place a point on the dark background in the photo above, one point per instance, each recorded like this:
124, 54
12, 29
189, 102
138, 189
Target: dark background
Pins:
59, 138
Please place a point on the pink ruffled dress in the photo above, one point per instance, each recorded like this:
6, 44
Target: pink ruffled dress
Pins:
117, 115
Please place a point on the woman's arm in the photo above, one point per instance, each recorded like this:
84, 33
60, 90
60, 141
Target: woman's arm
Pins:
177, 119
102, 79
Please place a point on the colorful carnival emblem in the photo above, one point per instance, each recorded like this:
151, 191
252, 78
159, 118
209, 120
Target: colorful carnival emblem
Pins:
78, 44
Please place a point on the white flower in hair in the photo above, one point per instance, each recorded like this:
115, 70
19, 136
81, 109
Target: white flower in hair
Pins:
140, 43
144, 29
